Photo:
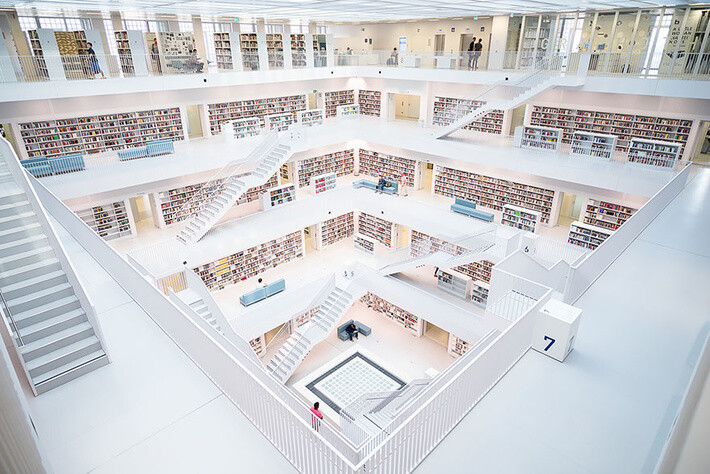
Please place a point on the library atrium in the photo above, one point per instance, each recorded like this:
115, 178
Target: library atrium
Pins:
348, 236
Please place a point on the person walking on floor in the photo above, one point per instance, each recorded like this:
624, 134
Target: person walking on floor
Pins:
471, 47
316, 416
94, 62
477, 49
403, 185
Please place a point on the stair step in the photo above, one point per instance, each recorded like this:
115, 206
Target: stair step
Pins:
65, 355
46, 311
15, 208
79, 367
40, 282
21, 244
14, 275
40, 297
51, 325
15, 219
17, 196
53, 342
27, 257
8, 235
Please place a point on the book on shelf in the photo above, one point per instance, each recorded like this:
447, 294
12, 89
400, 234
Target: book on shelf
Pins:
323, 183
587, 236
309, 118
341, 163
448, 109
390, 167
652, 153
537, 138
365, 244
369, 102
421, 244
607, 215
521, 218
593, 145
409, 321
242, 128
335, 229
278, 196
350, 110
228, 111
457, 346
381, 230
455, 283
335, 99
110, 221
479, 292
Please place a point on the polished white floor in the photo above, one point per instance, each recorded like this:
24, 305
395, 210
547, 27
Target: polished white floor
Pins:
610, 406
150, 410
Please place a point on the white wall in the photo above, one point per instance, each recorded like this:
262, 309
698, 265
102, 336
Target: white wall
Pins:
420, 34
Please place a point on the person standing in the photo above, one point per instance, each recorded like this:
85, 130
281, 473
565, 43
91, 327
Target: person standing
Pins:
94, 62
155, 55
403, 185
471, 47
316, 416
478, 48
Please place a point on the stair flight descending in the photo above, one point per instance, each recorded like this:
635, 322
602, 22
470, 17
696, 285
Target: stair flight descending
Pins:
296, 347
54, 335
216, 204
533, 83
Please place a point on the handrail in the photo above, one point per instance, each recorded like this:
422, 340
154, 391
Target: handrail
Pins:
12, 319
213, 188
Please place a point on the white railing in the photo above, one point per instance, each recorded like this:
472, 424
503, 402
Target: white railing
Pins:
681, 65
405, 447
586, 271
511, 295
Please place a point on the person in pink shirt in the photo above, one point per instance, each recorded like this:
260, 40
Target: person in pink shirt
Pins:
316, 416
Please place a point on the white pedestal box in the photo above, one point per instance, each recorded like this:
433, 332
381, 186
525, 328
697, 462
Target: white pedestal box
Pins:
556, 329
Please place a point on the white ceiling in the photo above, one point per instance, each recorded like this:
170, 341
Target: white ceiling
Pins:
338, 10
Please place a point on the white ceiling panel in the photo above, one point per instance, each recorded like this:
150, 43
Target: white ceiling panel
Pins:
338, 10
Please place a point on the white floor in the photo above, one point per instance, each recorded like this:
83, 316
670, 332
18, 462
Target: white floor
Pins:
609, 407
150, 410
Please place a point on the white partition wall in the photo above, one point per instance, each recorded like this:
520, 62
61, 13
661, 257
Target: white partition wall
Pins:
95, 38
7, 71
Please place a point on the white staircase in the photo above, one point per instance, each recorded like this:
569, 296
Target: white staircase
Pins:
533, 84
199, 306
51, 329
442, 259
296, 347
215, 204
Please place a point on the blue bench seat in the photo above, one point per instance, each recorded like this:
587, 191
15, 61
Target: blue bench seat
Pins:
262, 293
463, 206
160, 147
366, 183
132, 153
361, 328
47, 166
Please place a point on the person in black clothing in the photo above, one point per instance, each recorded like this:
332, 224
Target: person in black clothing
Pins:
381, 185
471, 47
352, 331
477, 52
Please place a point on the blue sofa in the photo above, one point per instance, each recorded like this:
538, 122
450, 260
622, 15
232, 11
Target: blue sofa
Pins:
366, 183
462, 206
262, 293
361, 328
44, 166
154, 148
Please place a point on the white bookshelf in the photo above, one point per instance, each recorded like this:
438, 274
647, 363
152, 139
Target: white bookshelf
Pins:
381, 230
302, 319
323, 183
299, 57
341, 163
175, 46
391, 167
348, 110
607, 215
491, 192
110, 221
334, 230
279, 122
365, 244
370, 102
242, 128
228, 111
412, 323
479, 292
132, 52
227, 51
593, 145
252, 261
521, 218
455, 283
448, 109
278, 196
587, 236
654, 154
457, 346
309, 118
334, 99
622, 125
249, 47
275, 50
45, 50
169, 206
538, 138
100, 133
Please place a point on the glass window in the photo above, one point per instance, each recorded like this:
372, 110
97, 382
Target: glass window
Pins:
299, 28
53, 23
73, 24
27, 23
136, 25
186, 26
208, 31
274, 28
322, 30
156, 26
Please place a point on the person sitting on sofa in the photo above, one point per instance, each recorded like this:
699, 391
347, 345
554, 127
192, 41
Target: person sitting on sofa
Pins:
194, 62
381, 185
352, 331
